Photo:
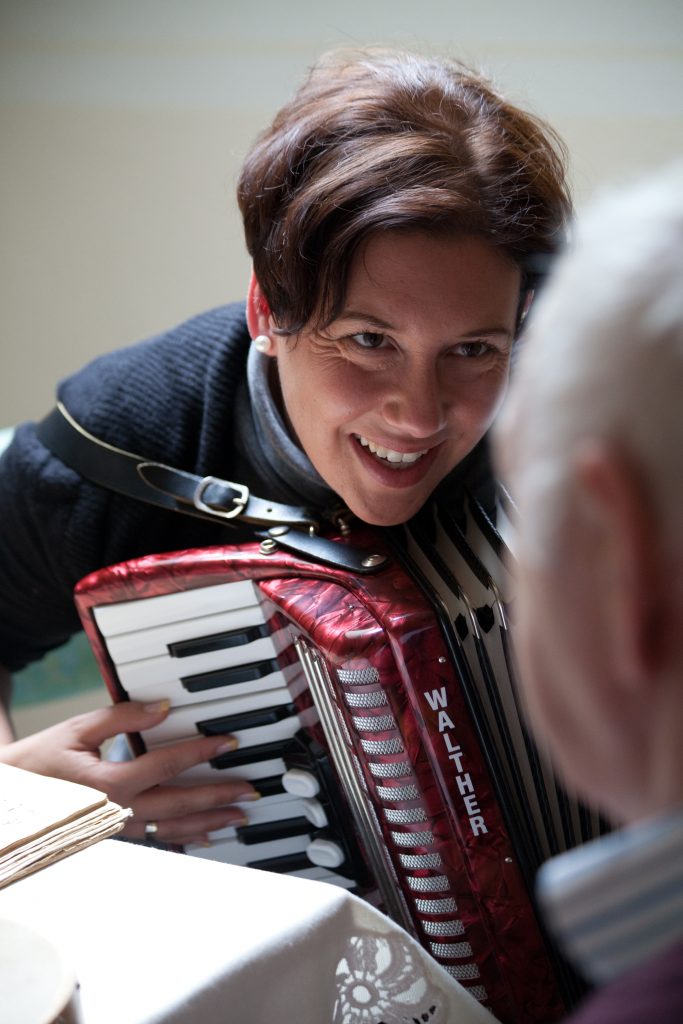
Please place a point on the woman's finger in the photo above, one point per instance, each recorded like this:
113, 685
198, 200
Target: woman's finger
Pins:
91, 729
188, 828
128, 779
183, 801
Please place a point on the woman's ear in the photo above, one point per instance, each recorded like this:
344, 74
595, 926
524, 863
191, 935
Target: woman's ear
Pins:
259, 317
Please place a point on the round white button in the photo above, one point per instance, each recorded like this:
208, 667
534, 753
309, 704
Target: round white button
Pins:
325, 853
300, 783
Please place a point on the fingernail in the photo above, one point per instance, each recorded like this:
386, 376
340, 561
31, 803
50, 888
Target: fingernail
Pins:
226, 746
203, 840
251, 795
160, 705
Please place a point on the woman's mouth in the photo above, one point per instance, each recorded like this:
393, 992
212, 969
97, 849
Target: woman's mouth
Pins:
397, 460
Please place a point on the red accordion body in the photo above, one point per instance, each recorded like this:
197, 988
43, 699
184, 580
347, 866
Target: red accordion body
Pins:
377, 710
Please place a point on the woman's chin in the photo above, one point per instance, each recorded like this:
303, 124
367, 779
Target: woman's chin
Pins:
382, 515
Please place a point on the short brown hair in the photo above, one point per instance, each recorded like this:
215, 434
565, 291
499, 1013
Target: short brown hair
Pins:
379, 139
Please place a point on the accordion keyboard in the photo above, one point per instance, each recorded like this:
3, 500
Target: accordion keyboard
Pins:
221, 672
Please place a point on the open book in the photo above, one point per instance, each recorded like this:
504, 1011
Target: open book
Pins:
43, 819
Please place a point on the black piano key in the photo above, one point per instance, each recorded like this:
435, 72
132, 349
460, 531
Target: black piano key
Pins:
229, 676
266, 831
287, 862
246, 720
248, 755
218, 641
269, 785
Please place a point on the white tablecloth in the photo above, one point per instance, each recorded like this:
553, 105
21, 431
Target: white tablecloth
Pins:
160, 937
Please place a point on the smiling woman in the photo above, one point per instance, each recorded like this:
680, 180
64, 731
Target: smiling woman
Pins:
397, 212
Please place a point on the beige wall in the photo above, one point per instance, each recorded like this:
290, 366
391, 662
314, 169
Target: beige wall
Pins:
123, 123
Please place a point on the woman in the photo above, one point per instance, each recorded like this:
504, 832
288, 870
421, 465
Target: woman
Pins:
393, 211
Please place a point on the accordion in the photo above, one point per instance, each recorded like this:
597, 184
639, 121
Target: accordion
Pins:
379, 725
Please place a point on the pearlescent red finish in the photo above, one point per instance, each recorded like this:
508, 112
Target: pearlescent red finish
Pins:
383, 622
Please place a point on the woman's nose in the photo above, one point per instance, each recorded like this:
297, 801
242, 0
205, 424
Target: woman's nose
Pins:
415, 403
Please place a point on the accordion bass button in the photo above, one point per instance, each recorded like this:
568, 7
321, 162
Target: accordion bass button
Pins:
325, 853
300, 783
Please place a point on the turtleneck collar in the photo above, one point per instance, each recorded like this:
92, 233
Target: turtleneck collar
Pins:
263, 438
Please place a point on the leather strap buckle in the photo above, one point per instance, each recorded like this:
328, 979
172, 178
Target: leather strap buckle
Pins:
239, 500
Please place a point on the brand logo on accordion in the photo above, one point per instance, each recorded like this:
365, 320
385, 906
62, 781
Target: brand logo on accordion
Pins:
438, 702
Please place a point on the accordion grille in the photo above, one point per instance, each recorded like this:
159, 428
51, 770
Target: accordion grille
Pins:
407, 816
357, 677
376, 723
445, 906
376, 699
431, 883
421, 862
398, 794
413, 838
392, 746
390, 770
453, 927
451, 950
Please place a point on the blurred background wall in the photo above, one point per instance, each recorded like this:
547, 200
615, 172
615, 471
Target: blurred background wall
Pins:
123, 123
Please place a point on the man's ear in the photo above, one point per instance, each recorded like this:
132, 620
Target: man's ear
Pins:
618, 503
259, 317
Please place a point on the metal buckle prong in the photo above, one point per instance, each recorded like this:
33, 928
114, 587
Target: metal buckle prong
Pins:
240, 500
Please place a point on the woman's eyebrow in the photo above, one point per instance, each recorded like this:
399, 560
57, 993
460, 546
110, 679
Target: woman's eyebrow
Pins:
477, 332
368, 318
374, 321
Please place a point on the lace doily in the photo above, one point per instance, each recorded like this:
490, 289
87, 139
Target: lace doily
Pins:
379, 981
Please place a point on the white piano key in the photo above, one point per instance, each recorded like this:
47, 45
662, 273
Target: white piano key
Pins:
149, 643
127, 616
169, 686
250, 772
267, 733
182, 721
231, 851
263, 803
257, 814
146, 671
246, 738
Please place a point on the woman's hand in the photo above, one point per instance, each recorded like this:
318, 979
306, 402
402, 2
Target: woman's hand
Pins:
183, 814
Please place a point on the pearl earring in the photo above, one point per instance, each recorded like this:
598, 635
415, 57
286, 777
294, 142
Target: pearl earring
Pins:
262, 343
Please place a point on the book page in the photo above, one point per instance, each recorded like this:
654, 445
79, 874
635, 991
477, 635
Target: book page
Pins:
43, 819
32, 804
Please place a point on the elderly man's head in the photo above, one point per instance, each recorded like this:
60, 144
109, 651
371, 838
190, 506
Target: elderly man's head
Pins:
591, 443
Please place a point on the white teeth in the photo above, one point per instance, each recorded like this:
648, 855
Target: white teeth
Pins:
389, 454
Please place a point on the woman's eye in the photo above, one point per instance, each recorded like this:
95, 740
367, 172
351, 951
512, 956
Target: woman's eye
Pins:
368, 339
473, 349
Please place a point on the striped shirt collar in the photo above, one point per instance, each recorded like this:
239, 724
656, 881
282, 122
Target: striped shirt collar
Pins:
618, 901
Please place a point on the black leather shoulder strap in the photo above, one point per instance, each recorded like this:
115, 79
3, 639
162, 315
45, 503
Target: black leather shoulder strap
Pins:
206, 497
153, 482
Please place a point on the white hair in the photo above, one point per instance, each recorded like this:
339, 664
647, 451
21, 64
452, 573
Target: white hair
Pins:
604, 354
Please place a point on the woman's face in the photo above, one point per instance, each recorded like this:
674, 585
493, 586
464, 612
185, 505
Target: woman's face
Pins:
404, 383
